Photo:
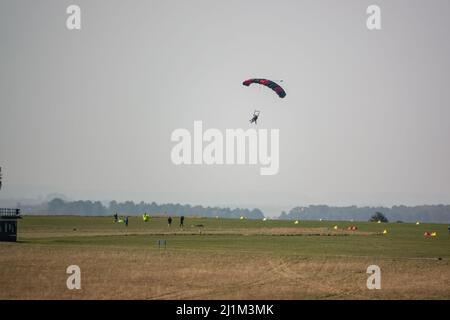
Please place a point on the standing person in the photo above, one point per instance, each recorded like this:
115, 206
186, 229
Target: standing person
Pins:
169, 221
126, 221
116, 217
181, 221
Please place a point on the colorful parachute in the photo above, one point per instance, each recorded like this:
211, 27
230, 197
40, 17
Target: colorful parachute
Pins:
268, 83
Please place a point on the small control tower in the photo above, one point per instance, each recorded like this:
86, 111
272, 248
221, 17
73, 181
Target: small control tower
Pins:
8, 221
8, 224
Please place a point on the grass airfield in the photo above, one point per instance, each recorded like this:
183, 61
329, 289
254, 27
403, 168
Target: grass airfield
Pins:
223, 259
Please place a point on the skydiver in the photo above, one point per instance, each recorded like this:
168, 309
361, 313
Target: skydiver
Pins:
255, 117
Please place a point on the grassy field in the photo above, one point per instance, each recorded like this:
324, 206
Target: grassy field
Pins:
223, 259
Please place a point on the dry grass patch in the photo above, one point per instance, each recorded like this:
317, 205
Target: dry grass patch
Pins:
39, 273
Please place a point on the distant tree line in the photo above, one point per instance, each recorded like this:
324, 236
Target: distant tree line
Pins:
425, 213
94, 208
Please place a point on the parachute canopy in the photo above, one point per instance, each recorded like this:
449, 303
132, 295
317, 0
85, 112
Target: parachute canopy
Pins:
268, 83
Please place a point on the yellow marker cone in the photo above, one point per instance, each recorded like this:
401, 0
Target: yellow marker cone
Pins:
242, 218
433, 234
264, 219
385, 231
296, 222
417, 223
379, 221
335, 227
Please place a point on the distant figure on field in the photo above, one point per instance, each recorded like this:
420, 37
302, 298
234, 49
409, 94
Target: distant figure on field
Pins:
449, 229
116, 217
181, 221
169, 221
126, 221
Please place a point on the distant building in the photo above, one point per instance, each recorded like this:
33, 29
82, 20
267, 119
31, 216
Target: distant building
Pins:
8, 224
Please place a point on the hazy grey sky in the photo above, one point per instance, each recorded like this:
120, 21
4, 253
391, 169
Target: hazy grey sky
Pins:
89, 113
